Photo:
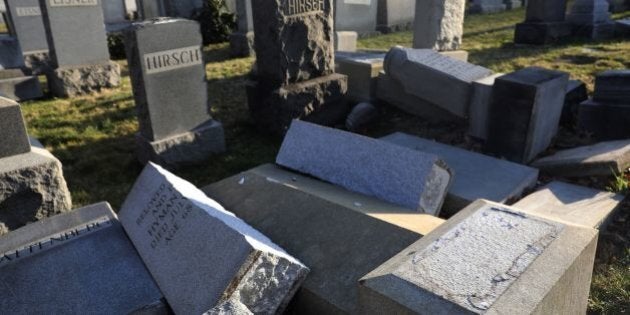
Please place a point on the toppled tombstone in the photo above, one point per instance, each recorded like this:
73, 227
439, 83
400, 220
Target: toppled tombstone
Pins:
489, 258
607, 115
600, 159
201, 255
402, 176
544, 23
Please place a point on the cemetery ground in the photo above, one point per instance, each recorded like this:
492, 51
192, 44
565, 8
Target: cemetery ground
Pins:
93, 136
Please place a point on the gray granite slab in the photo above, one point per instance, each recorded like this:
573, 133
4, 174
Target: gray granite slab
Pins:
604, 121
28, 25
200, 254
439, 24
477, 176
399, 175
14, 139
479, 110
21, 88
603, 159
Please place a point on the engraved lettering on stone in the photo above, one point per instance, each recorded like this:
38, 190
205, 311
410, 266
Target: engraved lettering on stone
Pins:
72, 3
172, 59
28, 11
294, 8
359, 2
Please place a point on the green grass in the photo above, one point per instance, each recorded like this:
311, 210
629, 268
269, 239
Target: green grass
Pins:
93, 136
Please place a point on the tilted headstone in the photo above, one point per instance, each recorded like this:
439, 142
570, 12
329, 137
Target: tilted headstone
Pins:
395, 15
402, 176
447, 82
28, 26
31, 179
200, 254
76, 36
78, 262
488, 259
544, 23
295, 65
439, 24
168, 77
607, 115
525, 112
242, 40
591, 19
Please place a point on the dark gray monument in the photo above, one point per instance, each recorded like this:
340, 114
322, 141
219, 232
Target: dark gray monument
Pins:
75, 30
525, 112
295, 65
544, 23
242, 40
28, 27
607, 115
591, 19
168, 76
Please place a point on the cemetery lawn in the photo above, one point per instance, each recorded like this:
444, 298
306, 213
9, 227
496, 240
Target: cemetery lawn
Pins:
93, 135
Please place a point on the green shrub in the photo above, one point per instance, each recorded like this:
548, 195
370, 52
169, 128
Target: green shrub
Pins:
116, 46
217, 23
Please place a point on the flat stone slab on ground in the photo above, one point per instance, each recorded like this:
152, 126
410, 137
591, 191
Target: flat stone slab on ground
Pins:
200, 254
488, 259
399, 175
601, 159
21, 88
78, 262
572, 203
14, 139
341, 235
476, 176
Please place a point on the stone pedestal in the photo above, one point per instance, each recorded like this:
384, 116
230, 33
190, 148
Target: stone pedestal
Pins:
346, 41
38, 62
242, 44
190, 147
362, 70
68, 81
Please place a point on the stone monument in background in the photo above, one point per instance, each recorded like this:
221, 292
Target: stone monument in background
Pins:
439, 24
544, 23
28, 27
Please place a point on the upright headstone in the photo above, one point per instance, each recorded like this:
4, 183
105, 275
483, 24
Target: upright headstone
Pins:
487, 6
544, 23
168, 77
150, 9
395, 15
78, 262
78, 47
28, 28
356, 16
242, 40
114, 11
31, 179
591, 19
439, 24
201, 255
10, 53
362, 70
295, 65
525, 112
607, 115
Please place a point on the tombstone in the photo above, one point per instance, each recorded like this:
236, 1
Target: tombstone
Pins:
613, 86
439, 24
10, 53
477, 176
19, 87
31, 179
480, 102
346, 41
525, 112
600, 159
295, 76
77, 262
544, 23
356, 16
340, 235
242, 40
168, 77
591, 19
201, 255
489, 258
447, 82
607, 115
150, 9
395, 15
28, 27
412, 179
622, 28
487, 6
362, 70
78, 47
114, 11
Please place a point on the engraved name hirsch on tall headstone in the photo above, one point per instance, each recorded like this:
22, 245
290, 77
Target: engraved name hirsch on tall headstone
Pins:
172, 59
298, 7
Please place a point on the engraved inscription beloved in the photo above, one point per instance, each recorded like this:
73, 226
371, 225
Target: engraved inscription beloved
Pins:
172, 59
72, 3
293, 8
164, 214
28, 11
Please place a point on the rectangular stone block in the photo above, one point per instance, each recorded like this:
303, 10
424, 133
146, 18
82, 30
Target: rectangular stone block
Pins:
446, 81
69, 81
10, 53
341, 235
488, 259
362, 70
480, 101
149, 9
604, 121
576, 94
525, 112
356, 16
21, 88
14, 139
78, 262
600, 159
201, 255
572, 203
477, 176
439, 24
401, 176
487, 6
395, 15
541, 33
346, 41
613, 86
28, 25
75, 31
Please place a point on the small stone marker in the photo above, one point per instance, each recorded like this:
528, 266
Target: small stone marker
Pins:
477, 176
446, 81
412, 179
572, 203
488, 259
601, 159
439, 24
165, 55
78, 47
341, 235
525, 112
591, 19
362, 70
21, 88
28, 26
544, 23
395, 15
200, 254
242, 40
78, 262
480, 102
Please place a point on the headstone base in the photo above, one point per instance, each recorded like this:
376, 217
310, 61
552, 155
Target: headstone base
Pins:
188, 148
605, 121
37, 62
70, 81
321, 101
32, 187
21, 88
541, 33
595, 31
242, 44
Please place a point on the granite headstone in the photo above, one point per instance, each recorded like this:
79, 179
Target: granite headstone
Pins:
439, 24
544, 23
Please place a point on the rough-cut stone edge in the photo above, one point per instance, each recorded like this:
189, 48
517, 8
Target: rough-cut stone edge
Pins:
69, 81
